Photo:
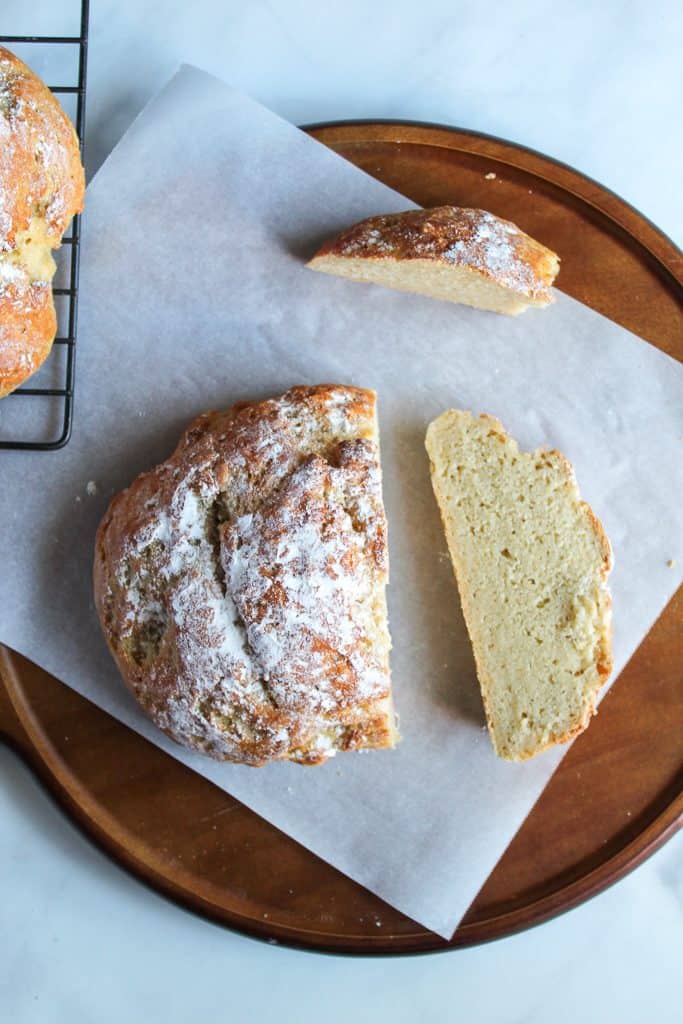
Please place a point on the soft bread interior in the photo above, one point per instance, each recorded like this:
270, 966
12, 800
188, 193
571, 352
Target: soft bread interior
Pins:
34, 251
32, 254
531, 562
427, 277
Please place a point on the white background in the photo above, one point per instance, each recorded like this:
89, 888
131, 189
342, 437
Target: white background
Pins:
597, 85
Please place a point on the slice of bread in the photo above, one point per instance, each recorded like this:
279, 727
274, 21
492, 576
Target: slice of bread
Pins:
461, 255
42, 186
531, 561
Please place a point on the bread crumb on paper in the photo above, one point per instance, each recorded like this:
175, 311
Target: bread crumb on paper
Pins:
671, 563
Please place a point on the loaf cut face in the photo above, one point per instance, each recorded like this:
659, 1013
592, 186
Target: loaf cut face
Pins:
241, 584
41, 187
531, 561
453, 253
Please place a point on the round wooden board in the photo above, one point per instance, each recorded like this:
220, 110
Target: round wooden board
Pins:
617, 795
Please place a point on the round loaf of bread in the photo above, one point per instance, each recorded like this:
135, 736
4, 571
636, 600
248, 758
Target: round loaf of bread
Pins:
241, 584
41, 187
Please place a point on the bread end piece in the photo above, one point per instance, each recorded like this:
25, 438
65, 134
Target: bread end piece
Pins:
531, 561
460, 255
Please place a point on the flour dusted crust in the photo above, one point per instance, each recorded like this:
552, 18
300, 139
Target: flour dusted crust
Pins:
241, 584
449, 252
41, 187
531, 561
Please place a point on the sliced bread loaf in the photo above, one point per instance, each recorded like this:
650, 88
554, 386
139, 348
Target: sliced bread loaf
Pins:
461, 255
241, 584
531, 561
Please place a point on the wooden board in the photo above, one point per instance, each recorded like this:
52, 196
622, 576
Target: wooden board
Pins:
619, 792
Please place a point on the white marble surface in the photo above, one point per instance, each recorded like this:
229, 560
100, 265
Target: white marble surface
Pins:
596, 85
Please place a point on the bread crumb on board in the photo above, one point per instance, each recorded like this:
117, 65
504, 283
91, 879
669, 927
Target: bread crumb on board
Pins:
91, 488
490, 176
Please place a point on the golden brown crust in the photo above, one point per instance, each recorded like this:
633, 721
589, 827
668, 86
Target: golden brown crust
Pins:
240, 584
27, 327
41, 187
456, 236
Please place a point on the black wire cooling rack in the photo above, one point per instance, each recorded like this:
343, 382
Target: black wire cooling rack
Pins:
67, 308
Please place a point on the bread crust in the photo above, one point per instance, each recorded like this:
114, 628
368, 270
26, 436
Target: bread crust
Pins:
42, 186
240, 584
28, 323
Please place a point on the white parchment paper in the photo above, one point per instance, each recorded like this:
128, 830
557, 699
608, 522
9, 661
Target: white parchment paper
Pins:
194, 294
